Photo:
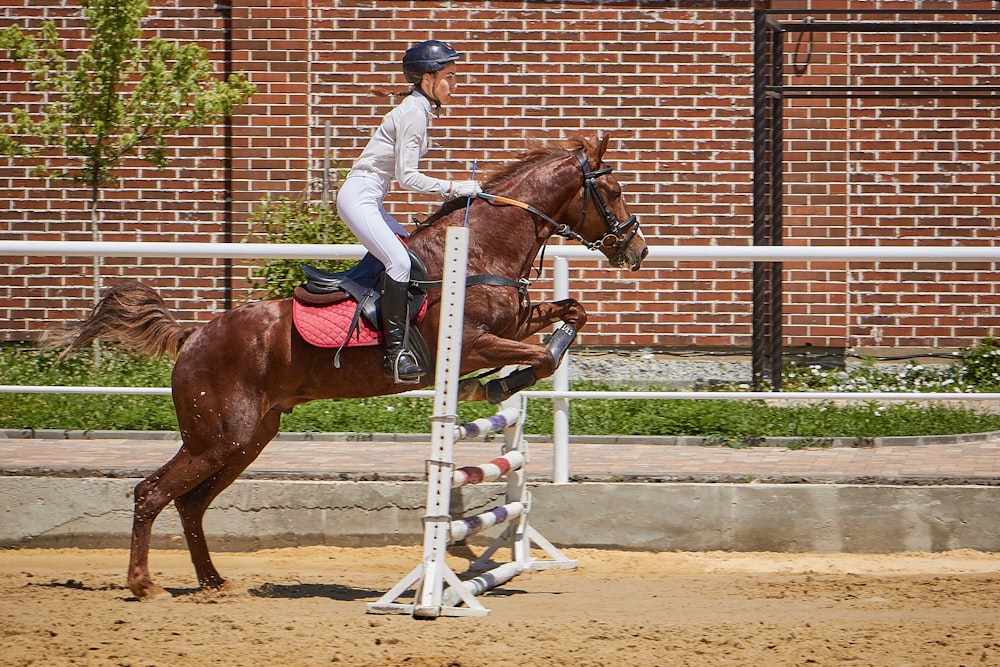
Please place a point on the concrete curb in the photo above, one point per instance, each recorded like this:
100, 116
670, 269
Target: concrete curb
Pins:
891, 441
96, 512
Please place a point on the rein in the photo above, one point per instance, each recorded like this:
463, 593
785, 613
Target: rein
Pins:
562, 230
519, 204
618, 233
616, 229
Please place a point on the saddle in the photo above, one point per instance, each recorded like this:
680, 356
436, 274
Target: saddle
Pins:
342, 309
360, 283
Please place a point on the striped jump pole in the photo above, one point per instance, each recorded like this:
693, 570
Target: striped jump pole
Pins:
506, 417
498, 576
492, 471
438, 590
518, 534
463, 528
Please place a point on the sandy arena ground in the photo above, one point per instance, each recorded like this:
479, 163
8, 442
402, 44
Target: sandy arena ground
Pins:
306, 606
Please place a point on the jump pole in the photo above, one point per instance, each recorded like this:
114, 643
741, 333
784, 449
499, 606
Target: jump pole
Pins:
519, 535
431, 599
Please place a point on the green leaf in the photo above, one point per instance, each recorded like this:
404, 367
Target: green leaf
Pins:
285, 220
121, 97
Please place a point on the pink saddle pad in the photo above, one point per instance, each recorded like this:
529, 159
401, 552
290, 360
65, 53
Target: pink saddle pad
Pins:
328, 326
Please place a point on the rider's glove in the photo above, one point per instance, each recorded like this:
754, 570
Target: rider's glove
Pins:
464, 189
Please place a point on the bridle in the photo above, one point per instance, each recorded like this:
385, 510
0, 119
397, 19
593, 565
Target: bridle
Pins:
616, 230
618, 233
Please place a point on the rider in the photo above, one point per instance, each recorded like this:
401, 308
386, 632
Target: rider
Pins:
393, 152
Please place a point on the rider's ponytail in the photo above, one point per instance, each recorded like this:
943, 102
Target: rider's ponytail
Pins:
382, 92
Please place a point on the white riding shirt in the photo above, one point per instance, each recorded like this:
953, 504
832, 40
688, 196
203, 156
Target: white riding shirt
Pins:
396, 146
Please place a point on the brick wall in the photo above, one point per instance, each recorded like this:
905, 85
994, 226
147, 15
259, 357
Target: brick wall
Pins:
672, 82
916, 171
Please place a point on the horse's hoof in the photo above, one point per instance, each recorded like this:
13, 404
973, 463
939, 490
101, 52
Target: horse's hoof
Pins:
232, 588
471, 389
153, 594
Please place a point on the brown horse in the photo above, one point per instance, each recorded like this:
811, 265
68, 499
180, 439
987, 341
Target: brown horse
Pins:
236, 374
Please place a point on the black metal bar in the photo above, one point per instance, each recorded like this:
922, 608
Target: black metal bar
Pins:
871, 96
760, 193
940, 90
889, 12
777, 210
892, 26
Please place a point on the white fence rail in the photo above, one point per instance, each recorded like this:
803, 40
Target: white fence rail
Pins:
662, 253
561, 393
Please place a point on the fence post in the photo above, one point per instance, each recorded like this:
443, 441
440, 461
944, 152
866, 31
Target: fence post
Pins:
560, 382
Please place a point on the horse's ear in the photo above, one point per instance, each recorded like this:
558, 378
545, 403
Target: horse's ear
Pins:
600, 148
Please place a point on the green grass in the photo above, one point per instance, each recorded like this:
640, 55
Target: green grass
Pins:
23, 365
736, 422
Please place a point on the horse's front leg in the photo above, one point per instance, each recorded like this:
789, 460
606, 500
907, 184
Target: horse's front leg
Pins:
484, 350
573, 318
545, 314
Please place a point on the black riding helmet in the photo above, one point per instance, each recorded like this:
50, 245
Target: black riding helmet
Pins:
427, 57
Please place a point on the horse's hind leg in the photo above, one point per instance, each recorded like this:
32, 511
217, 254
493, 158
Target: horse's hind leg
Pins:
175, 478
192, 505
206, 474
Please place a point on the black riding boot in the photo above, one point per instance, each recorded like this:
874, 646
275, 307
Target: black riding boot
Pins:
401, 365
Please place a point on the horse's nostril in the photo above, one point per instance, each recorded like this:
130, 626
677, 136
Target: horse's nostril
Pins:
636, 265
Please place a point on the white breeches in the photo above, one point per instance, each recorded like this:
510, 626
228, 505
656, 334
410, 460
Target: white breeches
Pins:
359, 204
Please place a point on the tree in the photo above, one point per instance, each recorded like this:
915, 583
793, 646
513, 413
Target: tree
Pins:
122, 97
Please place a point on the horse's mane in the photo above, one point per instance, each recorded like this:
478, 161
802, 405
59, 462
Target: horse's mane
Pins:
535, 153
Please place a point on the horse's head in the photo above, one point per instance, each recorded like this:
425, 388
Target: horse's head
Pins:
601, 217
568, 193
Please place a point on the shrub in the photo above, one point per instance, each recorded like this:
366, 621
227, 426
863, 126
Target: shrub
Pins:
286, 220
980, 366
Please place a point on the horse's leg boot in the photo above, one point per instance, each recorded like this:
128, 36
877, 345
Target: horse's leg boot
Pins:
559, 341
401, 365
500, 389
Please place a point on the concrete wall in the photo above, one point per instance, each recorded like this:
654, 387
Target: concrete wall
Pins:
96, 512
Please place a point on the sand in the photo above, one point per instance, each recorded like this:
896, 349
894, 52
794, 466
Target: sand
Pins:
307, 606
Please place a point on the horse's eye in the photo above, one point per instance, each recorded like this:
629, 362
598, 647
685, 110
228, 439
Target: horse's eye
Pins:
615, 194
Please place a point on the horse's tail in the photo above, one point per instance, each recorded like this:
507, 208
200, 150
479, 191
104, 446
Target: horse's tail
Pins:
131, 314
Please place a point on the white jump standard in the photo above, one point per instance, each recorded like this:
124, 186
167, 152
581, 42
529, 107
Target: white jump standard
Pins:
431, 597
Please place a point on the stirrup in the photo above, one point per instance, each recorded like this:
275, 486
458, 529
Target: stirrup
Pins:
392, 369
